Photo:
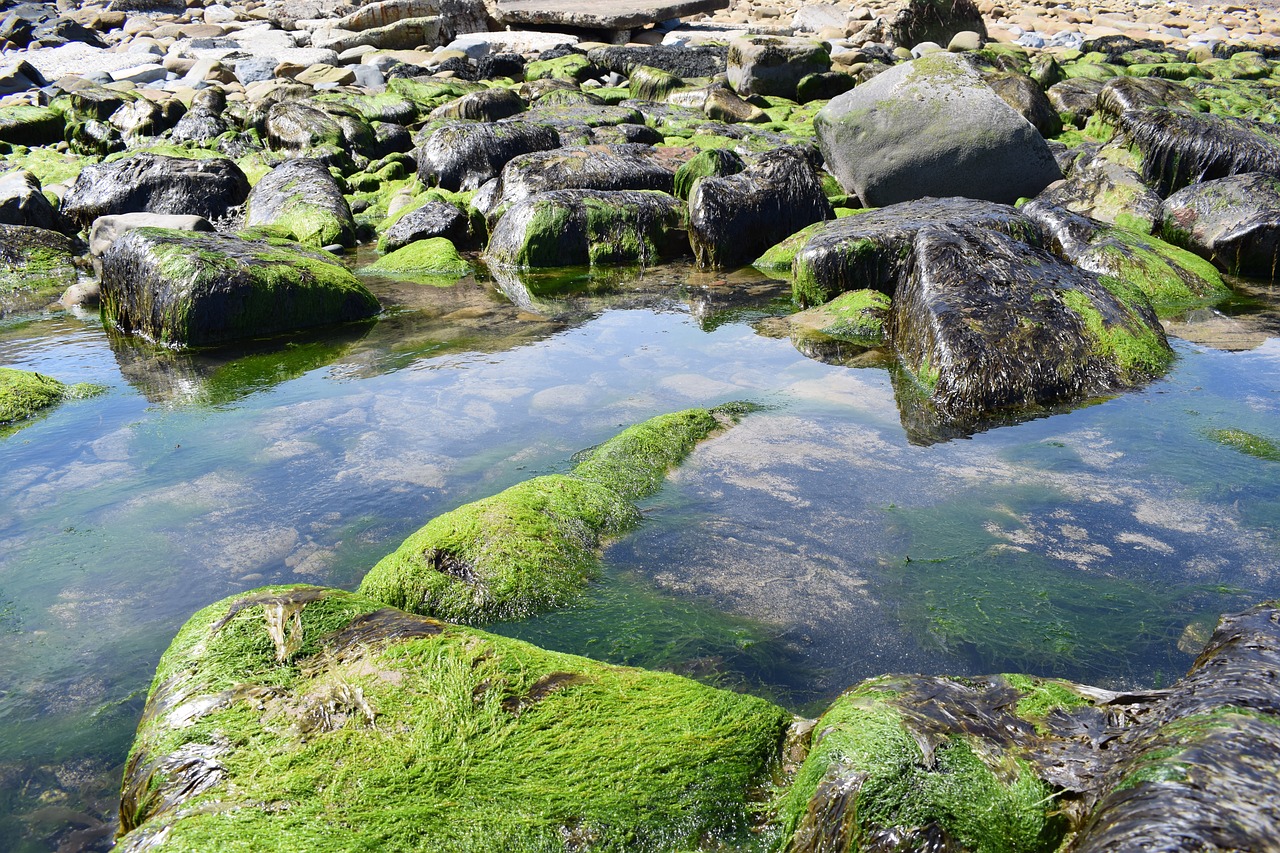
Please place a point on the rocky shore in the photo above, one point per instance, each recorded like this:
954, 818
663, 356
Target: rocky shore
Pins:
1010, 203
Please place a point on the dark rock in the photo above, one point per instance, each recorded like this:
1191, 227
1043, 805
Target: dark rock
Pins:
390, 138
298, 128
463, 156
147, 118
157, 184
187, 289
731, 217
699, 61
824, 86
1180, 148
94, 138
489, 105
937, 21
770, 65
300, 200
1122, 94
1075, 99
714, 162
932, 127
580, 227
494, 66
1234, 222
433, 219
988, 324
626, 134
31, 126
1025, 95
872, 251
594, 167
199, 125
1104, 185
20, 76
35, 261
22, 203
95, 102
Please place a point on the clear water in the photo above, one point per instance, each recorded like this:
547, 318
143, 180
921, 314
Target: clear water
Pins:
811, 546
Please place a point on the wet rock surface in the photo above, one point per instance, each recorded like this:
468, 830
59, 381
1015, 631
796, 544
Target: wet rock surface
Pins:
1234, 222
154, 183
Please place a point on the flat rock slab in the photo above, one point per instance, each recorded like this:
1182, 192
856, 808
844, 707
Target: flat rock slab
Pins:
601, 14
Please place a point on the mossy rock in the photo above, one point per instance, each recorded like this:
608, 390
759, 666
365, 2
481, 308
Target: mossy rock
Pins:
293, 718
430, 92
435, 257
27, 125
34, 260
779, 257
187, 289
535, 545
714, 162
857, 316
50, 166
574, 66
23, 393
300, 200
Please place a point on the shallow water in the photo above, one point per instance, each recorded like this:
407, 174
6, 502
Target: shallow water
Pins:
811, 546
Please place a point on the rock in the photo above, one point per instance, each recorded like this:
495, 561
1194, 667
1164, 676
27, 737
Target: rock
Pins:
322, 672
700, 61
456, 16
522, 42
1122, 94
156, 184
1234, 222
914, 758
20, 76
932, 127
580, 227
299, 200
1168, 276
255, 69
872, 250
824, 86
301, 129
1076, 99
989, 325
404, 34
23, 203
198, 126
966, 40
433, 219
714, 162
842, 329
430, 259
27, 125
534, 546
719, 103
915, 21
731, 217
1103, 186
487, 106
107, 229
463, 156
143, 117
767, 65
1180, 148
35, 260
24, 393
185, 289
591, 167
1025, 95
608, 15
815, 17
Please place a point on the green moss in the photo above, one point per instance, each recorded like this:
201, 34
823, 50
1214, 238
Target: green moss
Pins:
1041, 695
39, 268
1247, 443
48, 165
983, 809
573, 66
476, 742
857, 315
652, 84
779, 258
309, 224
701, 165
23, 393
1138, 353
1167, 275
435, 256
806, 286
534, 546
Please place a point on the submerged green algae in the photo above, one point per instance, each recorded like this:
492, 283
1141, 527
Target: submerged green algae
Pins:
23, 393
1247, 443
352, 726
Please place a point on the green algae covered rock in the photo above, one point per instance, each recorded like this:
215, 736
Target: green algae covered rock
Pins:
434, 257
34, 260
182, 288
301, 718
857, 316
23, 393
535, 545
714, 162
28, 125
299, 200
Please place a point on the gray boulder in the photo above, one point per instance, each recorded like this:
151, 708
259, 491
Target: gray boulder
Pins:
932, 127
580, 227
731, 217
22, 202
588, 167
433, 219
773, 65
463, 156
156, 184
300, 200
186, 289
1234, 222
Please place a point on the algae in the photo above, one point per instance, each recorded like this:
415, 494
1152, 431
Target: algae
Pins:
23, 393
1138, 351
1247, 443
435, 256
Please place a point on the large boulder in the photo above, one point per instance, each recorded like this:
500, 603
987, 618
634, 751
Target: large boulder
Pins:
34, 260
579, 227
463, 156
23, 203
731, 217
299, 200
189, 289
872, 250
27, 125
1106, 186
932, 127
773, 65
156, 184
937, 21
590, 167
1234, 222
300, 716
1181, 148
989, 325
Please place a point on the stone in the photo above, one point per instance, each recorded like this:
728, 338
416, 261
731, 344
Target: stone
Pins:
404, 34
35, 260
299, 200
612, 15
932, 127
186, 289
704, 61
485, 106
1180, 148
20, 76
476, 45
591, 167
199, 126
23, 203
966, 40
767, 65
107, 229
432, 219
580, 227
814, 17
731, 217
1105, 186
463, 156
143, 117
22, 124
150, 72
1025, 95
157, 184
1234, 222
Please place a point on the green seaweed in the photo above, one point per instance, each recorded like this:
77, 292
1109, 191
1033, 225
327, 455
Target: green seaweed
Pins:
1043, 695
779, 257
435, 256
1247, 443
1138, 351
23, 393
1169, 276
450, 739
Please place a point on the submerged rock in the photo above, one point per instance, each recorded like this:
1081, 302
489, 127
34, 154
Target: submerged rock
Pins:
35, 260
534, 546
1234, 222
579, 227
463, 156
290, 714
181, 288
932, 127
299, 200
434, 257
156, 184
985, 323
1181, 148
730, 218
